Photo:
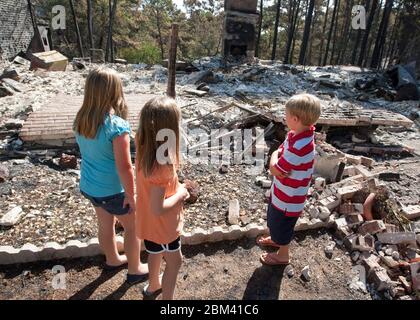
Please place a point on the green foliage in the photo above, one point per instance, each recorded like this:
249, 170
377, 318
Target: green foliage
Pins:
148, 53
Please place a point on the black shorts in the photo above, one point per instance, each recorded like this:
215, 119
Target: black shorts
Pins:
111, 204
155, 248
281, 227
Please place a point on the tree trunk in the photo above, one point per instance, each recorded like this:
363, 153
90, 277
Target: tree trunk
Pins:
332, 61
90, 23
308, 59
257, 47
276, 30
109, 55
307, 30
330, 32
293, 17
170, 91
345, 38
323, 33
297, 20
393, 37
380, 38
372, 38
109, 31
159, 27
76, 25
366, 33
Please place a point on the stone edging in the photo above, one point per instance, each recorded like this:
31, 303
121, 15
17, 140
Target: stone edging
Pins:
76, 249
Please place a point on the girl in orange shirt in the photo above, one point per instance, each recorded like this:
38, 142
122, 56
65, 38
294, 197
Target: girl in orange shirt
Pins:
160, 196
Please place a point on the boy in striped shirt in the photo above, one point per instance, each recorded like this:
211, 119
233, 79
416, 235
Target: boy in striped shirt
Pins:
292, 167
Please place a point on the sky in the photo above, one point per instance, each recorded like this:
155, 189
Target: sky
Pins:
179, 4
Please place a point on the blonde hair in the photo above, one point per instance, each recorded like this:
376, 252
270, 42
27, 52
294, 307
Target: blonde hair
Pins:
306, 107
103, 92
157, 114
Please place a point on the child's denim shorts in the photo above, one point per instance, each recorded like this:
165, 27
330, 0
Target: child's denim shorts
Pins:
281, 226
111, 204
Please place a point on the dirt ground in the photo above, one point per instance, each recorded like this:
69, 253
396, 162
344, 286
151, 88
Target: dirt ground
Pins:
224, 270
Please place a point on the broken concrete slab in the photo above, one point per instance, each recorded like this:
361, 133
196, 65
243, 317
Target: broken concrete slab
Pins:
233, 217
330, 202
364, 243
201, 76
353, 160
5, 91
343, 232
324, 213
397, 237
10, 73
49, 60
320, 183
411, 212
340, 223
198, 93
21, 61
348, 191
380, 278
15, 85
389, 262
354, 220
12, 217
360, 169
372, 227
351, 208
367, 162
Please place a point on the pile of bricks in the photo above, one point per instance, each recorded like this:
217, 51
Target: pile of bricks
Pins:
389, 255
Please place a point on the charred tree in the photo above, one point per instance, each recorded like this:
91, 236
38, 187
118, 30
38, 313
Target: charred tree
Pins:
297, 22
345, 33
323, 33
366, 33
330, 32
294, 9
109, 55
276, 30
381, 37
332, 62
257, 47
306, 32
90, 23
76, 25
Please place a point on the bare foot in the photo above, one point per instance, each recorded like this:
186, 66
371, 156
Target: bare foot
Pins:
155, 285
121, 260
143, 269
273, 259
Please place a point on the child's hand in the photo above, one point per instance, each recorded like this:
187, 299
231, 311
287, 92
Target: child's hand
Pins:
282, 175
131, 202
184, 194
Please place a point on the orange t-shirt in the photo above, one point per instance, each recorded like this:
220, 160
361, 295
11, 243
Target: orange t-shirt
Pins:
161, 229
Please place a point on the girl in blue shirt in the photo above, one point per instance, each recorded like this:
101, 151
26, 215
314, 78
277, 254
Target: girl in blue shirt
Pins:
106, 175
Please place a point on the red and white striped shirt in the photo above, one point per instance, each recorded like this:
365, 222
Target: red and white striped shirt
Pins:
296, 158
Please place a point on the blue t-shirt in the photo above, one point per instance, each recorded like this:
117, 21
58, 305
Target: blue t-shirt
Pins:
98, 172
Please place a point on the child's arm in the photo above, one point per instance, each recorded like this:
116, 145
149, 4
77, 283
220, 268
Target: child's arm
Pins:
276, 166
160, 206
121, 146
